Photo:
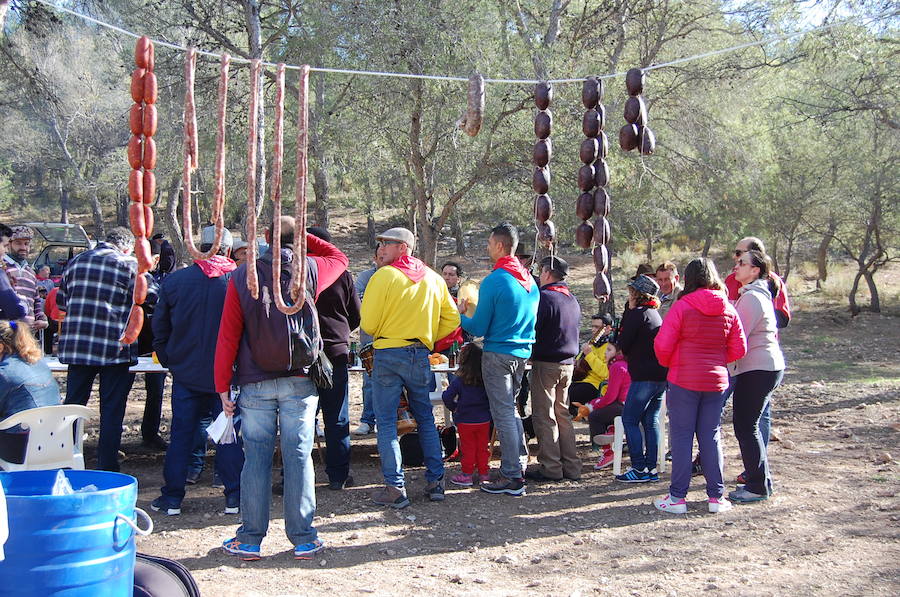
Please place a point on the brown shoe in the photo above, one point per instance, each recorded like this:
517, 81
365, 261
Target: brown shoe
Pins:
395, 497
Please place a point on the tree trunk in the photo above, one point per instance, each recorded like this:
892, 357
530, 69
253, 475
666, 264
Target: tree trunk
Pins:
370, 229
122, 201
774, 256
63, 202
787, 259
457, 231
170, 218
254, 38
875, 301
97, 212
822, 253
317, 150
707, 245
851, 298
650, 245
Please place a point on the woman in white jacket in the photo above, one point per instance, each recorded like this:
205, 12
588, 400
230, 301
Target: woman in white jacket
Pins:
756, 375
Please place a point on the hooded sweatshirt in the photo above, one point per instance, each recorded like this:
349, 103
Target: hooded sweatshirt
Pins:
701, 333
754, 307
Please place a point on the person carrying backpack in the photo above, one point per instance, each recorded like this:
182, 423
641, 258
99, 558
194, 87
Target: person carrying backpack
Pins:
268, 356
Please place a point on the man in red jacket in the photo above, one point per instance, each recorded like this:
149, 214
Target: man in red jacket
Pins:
269, 399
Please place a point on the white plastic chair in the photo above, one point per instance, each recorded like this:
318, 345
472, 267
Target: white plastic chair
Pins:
51, 442
617, 439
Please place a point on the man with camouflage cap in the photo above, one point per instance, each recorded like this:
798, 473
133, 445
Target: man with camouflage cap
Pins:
23, 278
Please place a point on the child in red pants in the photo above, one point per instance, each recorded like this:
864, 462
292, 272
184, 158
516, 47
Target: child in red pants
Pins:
468, 402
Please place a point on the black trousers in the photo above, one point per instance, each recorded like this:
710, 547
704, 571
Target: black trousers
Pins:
752, 392
155, 383
336, 416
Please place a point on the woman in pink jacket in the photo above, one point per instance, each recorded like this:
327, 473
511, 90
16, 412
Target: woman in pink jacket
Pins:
701, 333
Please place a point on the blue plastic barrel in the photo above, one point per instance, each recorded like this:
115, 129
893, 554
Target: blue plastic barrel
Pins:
81, 544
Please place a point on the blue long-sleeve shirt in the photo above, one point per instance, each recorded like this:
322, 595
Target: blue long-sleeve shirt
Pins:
12, 307
505, 315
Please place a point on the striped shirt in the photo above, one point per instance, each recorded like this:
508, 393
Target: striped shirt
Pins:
95, 293
26, 287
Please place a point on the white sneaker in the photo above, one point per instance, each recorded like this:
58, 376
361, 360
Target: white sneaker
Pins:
671, 505
363, 429
717, 505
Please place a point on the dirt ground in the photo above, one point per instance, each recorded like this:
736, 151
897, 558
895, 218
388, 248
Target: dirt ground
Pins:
831, 527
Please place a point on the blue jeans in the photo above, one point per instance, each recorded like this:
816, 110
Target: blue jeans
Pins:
115, 384
641, 409
368, 412
287, 404
336, 416
198, 456
502, 375
396, 368
189, 407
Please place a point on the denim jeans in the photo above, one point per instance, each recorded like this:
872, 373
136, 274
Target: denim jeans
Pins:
642, 405
287, 404
198, 456
368, 412
697, 413
188, 409
336, 416
155, 383
115, 384
502, 375
396, 368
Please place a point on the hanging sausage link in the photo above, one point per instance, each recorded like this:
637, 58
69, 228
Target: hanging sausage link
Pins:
541, 156
252, 253
298, 269
191, 150
142, 122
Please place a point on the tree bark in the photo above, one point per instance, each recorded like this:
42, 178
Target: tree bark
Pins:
63, 201
317, 150
456, 229
170, 218
875, 300
822, 252
707, 245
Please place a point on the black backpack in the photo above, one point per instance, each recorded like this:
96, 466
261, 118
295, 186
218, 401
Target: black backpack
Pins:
284, 342
161, 577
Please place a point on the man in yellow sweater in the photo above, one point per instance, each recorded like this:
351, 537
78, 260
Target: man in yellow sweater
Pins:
406, 308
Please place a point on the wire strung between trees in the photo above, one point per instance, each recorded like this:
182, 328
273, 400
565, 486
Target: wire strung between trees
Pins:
370, 73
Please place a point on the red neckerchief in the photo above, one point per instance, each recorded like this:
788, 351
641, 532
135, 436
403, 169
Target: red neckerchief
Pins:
516, 269
653, 303
560, 288
216, 266
410, 267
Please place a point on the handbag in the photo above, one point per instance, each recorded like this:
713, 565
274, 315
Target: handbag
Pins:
322, 372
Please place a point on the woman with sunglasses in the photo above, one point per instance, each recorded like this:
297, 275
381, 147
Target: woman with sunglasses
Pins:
757, 374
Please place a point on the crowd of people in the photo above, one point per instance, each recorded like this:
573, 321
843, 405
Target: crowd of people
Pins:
272, 358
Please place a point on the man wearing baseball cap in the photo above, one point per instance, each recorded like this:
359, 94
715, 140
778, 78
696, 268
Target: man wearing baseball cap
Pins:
23, 278
406, 308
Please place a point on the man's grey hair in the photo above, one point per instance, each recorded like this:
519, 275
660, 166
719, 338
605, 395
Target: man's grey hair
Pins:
121, 237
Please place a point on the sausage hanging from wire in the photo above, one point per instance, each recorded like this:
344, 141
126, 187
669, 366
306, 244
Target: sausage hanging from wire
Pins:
298, 269
252, 279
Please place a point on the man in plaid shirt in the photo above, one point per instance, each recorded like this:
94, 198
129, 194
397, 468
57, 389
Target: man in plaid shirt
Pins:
95, 294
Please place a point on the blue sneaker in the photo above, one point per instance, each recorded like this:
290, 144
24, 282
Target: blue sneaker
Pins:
635, 476
247, 552
304, 551
654, 475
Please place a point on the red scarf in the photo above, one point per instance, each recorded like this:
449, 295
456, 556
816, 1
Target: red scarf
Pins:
516, 270
216, 266
560, 288
410, 267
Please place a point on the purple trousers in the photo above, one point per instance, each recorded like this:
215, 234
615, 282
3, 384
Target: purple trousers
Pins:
695, 413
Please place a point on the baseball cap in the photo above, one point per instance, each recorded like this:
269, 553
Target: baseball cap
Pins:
644, 284
21, 233
400, 235
208, 237
556, 264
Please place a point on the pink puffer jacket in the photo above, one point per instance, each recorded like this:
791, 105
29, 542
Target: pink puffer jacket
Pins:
701, 333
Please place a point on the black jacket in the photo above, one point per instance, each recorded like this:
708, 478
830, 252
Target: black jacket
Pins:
338, 307
636, 335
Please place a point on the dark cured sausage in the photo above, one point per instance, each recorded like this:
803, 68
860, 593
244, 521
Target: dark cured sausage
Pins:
634, 81
543, 208
647, 144
602, 288
584, 235
540, 182
543, 95
628, 137
601, 202
584, 206
586, 177
542, 152
601, 173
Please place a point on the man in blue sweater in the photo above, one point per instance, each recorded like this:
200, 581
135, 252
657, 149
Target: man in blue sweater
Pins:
505, 317
185, 329
552, 360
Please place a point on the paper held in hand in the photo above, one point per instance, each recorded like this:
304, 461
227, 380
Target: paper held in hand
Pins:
469, 290
221, 431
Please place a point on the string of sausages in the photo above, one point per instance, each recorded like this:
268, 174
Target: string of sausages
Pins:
636, 133
191, 150
252, 280
298, 266
142, 121
540, 156
593, 178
